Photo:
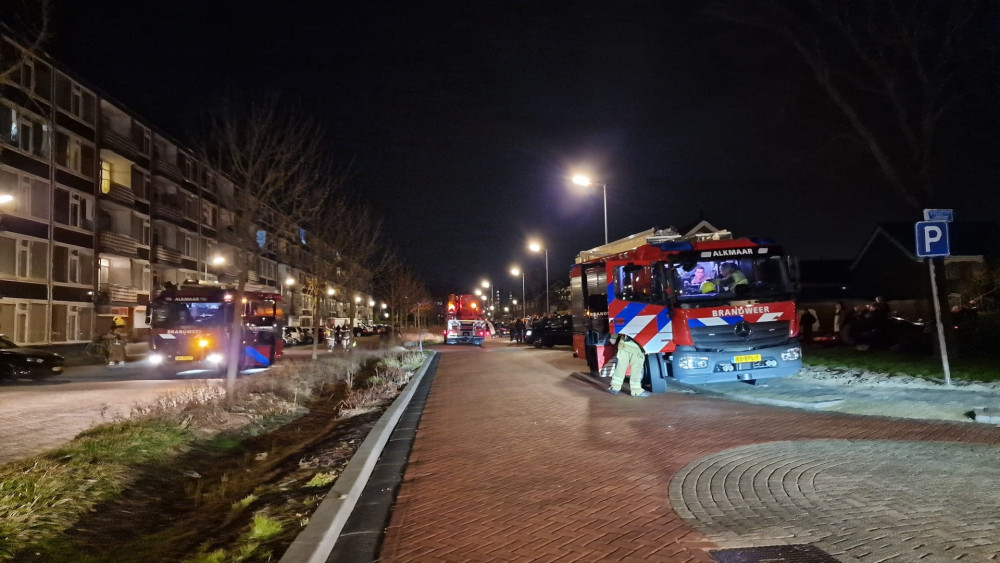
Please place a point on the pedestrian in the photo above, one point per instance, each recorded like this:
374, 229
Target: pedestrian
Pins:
806, 325
632, 359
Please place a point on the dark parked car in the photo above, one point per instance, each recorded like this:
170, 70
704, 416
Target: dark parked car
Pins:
17, 362
557, 330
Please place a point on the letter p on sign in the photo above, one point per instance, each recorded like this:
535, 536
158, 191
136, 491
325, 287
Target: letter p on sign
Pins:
932, 239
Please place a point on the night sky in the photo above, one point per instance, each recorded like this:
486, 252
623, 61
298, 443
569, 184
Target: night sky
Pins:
462, 121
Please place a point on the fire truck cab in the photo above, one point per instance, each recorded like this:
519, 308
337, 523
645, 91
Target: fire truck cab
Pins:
191, 325
705, 309
464, 321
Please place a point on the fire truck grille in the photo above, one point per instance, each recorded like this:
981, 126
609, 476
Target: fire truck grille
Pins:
737, 337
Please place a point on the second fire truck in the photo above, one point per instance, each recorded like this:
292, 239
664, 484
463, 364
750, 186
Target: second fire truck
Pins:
705, 308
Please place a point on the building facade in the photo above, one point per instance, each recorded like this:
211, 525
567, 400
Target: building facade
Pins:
99, 210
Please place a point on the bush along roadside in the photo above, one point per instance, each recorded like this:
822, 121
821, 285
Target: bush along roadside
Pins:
197, 476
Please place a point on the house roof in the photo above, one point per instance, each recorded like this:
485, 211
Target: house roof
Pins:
965, 238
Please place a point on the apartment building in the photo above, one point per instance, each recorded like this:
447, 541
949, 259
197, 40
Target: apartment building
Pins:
104, 209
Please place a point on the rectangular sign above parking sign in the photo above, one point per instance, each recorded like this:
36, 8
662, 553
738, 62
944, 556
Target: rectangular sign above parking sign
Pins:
939, 215
932, 239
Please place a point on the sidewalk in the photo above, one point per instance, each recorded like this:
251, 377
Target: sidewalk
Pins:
515, 460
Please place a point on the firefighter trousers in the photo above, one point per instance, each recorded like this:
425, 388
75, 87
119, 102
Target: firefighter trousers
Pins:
630, 357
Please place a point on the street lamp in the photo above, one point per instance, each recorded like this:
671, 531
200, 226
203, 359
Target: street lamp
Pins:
515, 271
582, 180
537, 247
216, 261
486, 285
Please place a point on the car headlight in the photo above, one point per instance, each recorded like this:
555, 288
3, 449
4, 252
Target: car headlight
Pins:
527, 332
156, 359
692, 362
214, 358
791, 354
34, 360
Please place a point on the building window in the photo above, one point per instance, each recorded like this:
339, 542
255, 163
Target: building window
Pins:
74, 209
105, 176
24, 132
31, 196
104, 274
145, 232
24, 322
188, 246
28, 73
208, 214
43, 80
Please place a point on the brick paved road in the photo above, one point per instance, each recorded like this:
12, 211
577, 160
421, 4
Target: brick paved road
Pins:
515, 460
35, 417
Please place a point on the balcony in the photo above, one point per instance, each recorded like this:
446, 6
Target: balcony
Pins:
169, 170
166, 255
118, 243
114, 293
120, 194
166, 210
117, 142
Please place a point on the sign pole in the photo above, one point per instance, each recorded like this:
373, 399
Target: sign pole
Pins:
940, 325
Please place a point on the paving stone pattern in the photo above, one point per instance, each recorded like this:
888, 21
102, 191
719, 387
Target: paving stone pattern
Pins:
517, 460
857, 500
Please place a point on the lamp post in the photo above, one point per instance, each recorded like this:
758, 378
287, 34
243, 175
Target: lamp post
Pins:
515, 271
582, 180
537, 247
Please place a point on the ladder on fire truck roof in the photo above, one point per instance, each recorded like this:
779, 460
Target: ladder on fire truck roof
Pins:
702, 231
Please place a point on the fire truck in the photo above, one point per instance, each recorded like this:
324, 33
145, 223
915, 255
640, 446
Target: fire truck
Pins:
190, 328
464, 321
705, 308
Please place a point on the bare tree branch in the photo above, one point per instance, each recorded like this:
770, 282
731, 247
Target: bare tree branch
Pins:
277, 172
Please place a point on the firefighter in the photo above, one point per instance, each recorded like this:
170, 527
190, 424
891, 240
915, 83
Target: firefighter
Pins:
732, 276
629, 357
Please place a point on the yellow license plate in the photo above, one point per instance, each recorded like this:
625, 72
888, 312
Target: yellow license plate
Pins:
746, 359
180, 358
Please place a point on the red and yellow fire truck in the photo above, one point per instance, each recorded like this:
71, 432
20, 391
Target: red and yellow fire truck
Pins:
190, 328
464, 320
705, 308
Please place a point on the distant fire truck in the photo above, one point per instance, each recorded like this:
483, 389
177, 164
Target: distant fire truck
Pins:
464, 320
705, 308
190, 328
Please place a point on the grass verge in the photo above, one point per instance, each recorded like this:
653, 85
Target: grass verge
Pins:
898, 363
52, 506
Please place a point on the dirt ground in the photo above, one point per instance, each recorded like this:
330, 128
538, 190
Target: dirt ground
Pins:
172, 513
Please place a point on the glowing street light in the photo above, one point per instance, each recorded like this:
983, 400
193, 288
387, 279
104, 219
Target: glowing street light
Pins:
330, 291
515, 271
478, 291
5, 199
536, 246
583, 180
217, 260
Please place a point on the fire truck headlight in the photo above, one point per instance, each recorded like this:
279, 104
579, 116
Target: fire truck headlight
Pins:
203, 343
214, 358
156, 359
527, 332
791, 354
692, 362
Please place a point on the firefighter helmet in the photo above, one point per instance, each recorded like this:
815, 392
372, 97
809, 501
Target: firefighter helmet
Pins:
707, 287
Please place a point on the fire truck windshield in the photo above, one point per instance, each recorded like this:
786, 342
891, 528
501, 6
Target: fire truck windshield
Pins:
732, 278
186, 314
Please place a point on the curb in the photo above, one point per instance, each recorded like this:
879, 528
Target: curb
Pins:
316, 542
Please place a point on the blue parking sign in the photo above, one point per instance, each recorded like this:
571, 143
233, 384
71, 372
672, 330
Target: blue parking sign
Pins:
932, 239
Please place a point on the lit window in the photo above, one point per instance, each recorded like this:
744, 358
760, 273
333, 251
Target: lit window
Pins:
105, 176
